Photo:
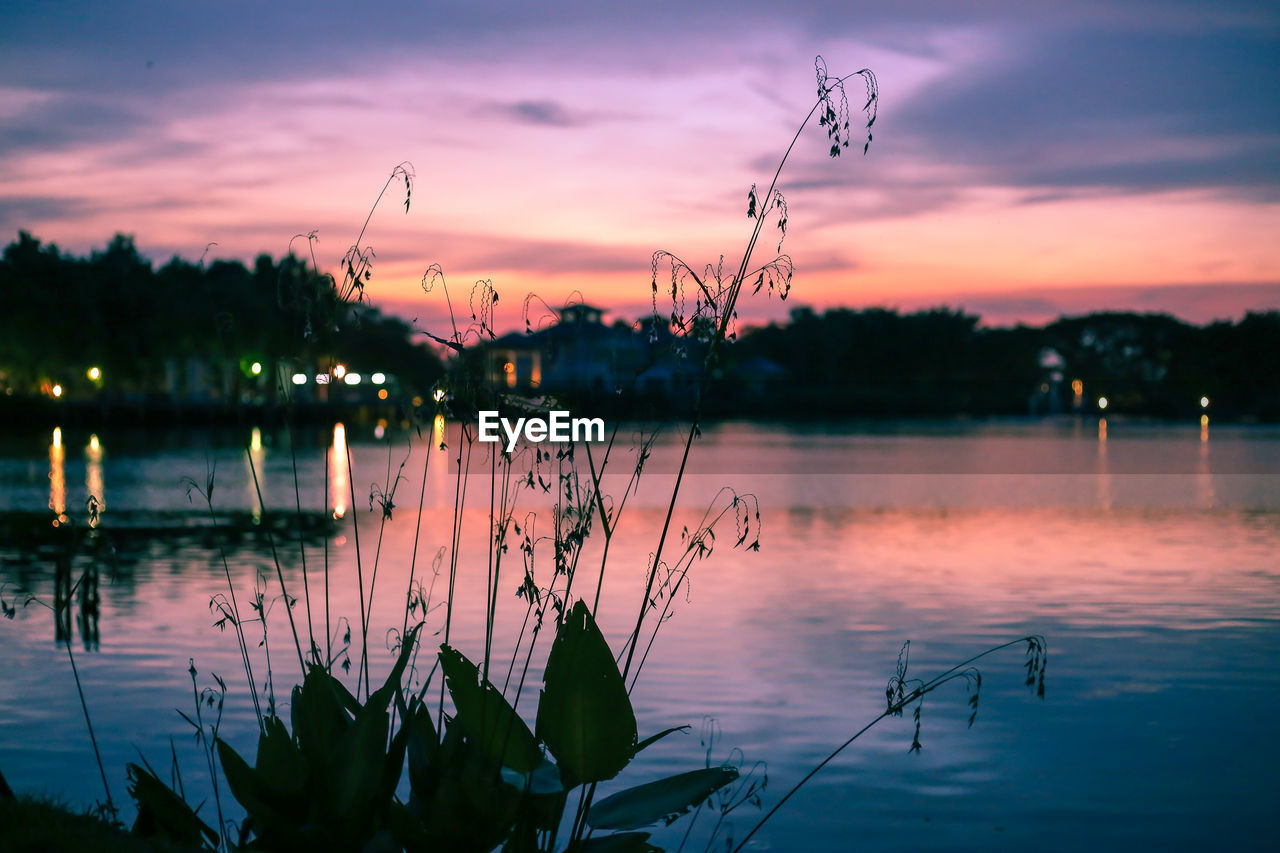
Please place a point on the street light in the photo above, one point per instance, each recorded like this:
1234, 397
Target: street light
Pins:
1102, 402
95, 373
1204, 402
255, 368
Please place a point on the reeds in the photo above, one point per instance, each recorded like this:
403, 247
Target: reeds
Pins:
477, 774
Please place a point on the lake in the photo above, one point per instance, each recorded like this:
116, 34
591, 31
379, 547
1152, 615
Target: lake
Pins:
1145, 553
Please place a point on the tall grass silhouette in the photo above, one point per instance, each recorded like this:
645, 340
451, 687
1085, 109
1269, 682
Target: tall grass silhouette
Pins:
443, 756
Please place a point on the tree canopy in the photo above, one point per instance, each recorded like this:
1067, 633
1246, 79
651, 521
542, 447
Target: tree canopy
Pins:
114, 310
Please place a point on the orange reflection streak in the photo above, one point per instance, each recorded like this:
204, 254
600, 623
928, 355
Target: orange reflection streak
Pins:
93, 481
437, 472
256, 458
1205, 495
57, 477
338, 471
1104, 469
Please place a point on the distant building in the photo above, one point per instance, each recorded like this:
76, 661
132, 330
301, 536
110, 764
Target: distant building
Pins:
576, 353
1047, 399
760, 376
581, 354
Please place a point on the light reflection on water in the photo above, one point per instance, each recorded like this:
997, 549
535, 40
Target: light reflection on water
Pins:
58, 477
253, 475
1158, 590
338, 468
93, 479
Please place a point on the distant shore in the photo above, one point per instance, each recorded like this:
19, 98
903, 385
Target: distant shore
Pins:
22, 414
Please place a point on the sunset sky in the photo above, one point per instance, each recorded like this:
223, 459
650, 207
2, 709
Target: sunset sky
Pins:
1029, 158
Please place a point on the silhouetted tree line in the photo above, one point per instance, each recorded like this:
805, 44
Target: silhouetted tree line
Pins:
881, 362
112, 309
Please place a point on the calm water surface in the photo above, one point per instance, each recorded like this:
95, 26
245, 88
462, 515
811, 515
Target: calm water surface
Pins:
1145, 554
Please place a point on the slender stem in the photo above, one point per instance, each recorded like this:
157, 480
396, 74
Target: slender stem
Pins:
417, 532
681, 570
807, 777
515, 652
596, 477
271, 540
735, 288
355, 528
524, 673
892, 710
387, 492
84, 706
490, 592
302, 549
657, 559
459, 502
328, 628
235, 613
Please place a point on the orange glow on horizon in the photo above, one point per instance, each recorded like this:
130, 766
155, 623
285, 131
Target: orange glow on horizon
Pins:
550, 216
